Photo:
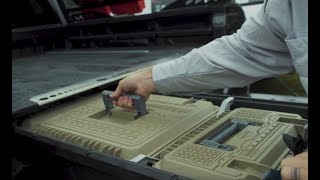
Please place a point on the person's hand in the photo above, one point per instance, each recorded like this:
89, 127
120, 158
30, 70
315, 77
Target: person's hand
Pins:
140, 83
295, 168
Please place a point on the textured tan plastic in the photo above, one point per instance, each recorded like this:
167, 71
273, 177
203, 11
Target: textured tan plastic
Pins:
257, 148
172, 132
87, 124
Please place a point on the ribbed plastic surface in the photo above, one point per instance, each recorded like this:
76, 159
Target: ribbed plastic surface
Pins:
86, 124
184, 134
255, 148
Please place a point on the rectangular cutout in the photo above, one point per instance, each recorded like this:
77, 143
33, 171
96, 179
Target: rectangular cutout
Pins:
119, 116
248, 167
301, 122
217, 137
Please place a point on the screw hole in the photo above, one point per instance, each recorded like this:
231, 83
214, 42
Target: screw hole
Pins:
103, 79
44, 98
149, 164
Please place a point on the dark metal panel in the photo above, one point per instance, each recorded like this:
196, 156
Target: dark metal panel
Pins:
296, 108
64, 10
120, 168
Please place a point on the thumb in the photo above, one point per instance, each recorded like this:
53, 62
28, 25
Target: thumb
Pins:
117, 93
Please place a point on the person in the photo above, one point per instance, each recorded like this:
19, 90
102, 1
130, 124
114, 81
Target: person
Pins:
272, 43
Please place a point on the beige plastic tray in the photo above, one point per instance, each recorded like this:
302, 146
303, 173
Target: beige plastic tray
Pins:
86, 123
257, 148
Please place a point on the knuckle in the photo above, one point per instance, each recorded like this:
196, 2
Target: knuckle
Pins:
282, 163
121, 82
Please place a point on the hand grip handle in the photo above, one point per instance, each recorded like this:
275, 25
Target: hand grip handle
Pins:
219, 136
138, 102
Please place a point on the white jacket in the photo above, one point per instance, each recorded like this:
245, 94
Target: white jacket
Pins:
274, 42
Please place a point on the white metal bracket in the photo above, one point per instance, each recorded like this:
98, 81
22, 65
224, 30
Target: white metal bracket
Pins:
225, 105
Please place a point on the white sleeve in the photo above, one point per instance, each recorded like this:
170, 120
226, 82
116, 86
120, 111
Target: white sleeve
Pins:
255, 51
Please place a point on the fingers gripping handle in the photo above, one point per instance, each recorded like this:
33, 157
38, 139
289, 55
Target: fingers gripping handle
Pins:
138, 103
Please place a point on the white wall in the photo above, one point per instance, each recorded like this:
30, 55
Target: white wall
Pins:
249, 11
241, 1
147, 9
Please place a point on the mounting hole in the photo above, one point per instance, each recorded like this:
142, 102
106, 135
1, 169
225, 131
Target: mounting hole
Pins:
149, 164
53, 95
44, 98
59, 93
102, 79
